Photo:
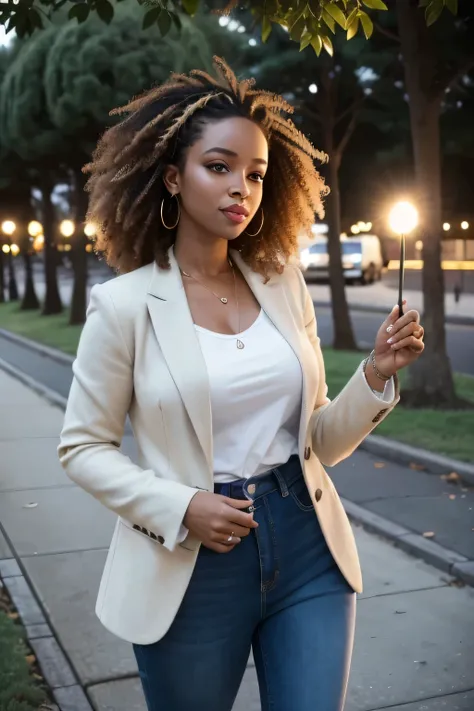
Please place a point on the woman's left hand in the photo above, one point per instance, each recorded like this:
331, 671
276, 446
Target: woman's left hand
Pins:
399, 341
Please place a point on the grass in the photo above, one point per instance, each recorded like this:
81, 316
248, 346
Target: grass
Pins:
19, 691
443, 431
50, 330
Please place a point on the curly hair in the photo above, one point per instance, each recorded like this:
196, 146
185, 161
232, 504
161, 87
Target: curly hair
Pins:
126, 172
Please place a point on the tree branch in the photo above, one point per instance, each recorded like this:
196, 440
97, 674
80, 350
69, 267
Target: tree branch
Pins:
387, 33
450, 77
348, 133
351, 109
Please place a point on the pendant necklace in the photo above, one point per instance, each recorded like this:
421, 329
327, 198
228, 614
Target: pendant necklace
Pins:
222, 299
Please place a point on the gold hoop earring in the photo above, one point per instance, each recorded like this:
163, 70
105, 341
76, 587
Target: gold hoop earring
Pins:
177, 219
259, 229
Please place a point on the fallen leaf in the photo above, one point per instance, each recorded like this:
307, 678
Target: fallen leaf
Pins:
452, 496
13, 615
417, 467
452, 476
30, 658
428, 534
30, 506
379, 465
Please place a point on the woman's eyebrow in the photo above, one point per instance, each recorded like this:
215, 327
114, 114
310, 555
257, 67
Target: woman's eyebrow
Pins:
232, 154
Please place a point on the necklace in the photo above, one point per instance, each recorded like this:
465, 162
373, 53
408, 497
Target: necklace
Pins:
222, 299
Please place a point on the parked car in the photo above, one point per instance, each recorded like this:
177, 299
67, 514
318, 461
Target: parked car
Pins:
362, 259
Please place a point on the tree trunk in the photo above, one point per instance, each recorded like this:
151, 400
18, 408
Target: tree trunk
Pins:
343, 338
2, 278
79, 254
12, 285
52, 302
431, 380
30, 300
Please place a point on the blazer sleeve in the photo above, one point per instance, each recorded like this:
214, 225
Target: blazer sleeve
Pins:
338, 426
94, 422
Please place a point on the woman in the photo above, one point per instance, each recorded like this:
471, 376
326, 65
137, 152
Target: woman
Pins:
230, 534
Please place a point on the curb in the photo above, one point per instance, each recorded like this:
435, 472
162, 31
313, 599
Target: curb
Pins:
440, 557
402, 453
450, 318
56, 669
48, 351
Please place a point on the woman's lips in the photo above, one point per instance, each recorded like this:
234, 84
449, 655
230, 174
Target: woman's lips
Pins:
234, 216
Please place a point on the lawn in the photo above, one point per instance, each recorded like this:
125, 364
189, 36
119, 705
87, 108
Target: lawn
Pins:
446, 432
21, 688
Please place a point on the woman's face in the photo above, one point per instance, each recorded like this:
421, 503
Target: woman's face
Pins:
221, 185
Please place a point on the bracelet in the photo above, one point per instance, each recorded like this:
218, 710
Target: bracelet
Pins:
377, 372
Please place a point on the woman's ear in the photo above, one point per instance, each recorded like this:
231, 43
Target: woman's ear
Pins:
171, 179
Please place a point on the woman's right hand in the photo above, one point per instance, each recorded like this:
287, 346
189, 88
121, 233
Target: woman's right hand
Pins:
213, 517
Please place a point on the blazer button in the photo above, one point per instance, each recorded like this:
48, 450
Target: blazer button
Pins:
307, 452
161, 539
318, 493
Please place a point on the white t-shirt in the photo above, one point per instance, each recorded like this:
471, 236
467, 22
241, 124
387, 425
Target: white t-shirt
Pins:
256, 396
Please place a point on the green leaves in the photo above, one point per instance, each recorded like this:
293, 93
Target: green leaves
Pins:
190, 6
266, 28
434, 8
433, 11
375, 4
80, 11
151, 17
352, 27
105, 10
367, 24
336, 13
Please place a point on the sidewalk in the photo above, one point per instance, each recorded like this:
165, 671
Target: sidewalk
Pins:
414, 646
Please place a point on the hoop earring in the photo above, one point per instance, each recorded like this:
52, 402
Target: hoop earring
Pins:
259, 229
177, 219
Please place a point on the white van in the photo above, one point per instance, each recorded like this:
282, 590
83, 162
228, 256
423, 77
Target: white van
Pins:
361, 258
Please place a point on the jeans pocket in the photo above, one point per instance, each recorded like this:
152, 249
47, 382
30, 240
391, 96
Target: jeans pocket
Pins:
300, 495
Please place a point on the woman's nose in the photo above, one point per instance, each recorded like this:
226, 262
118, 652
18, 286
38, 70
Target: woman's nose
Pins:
241, 190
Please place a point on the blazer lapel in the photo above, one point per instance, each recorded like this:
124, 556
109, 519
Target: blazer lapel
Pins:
174, 329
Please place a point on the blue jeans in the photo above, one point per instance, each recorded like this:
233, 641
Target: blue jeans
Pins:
278, 592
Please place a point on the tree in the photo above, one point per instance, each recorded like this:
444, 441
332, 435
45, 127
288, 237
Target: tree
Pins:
27, 131
427, 80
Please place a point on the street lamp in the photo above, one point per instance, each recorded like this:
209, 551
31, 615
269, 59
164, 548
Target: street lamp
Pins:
89, 229
8, 227
14, 249
35, 228
464, 225
67, 228
446, 226
403, 219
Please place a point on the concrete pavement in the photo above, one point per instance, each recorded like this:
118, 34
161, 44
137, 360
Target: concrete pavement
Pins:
414, 646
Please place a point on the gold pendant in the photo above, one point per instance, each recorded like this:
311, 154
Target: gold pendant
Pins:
240, 345
224, 300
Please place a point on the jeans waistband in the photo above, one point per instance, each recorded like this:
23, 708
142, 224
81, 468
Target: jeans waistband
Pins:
281, 478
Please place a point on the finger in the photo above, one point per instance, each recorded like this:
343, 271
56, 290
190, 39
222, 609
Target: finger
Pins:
411, 316
239, 518
415, 344
411, 329
392, 317
239, 531
237, 503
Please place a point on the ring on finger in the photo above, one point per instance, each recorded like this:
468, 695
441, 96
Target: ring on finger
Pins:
230, 537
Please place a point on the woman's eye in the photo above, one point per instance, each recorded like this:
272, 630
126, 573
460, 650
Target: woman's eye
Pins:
218, 167
257, 177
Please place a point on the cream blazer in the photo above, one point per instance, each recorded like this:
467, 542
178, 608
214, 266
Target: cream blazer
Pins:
139, 354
